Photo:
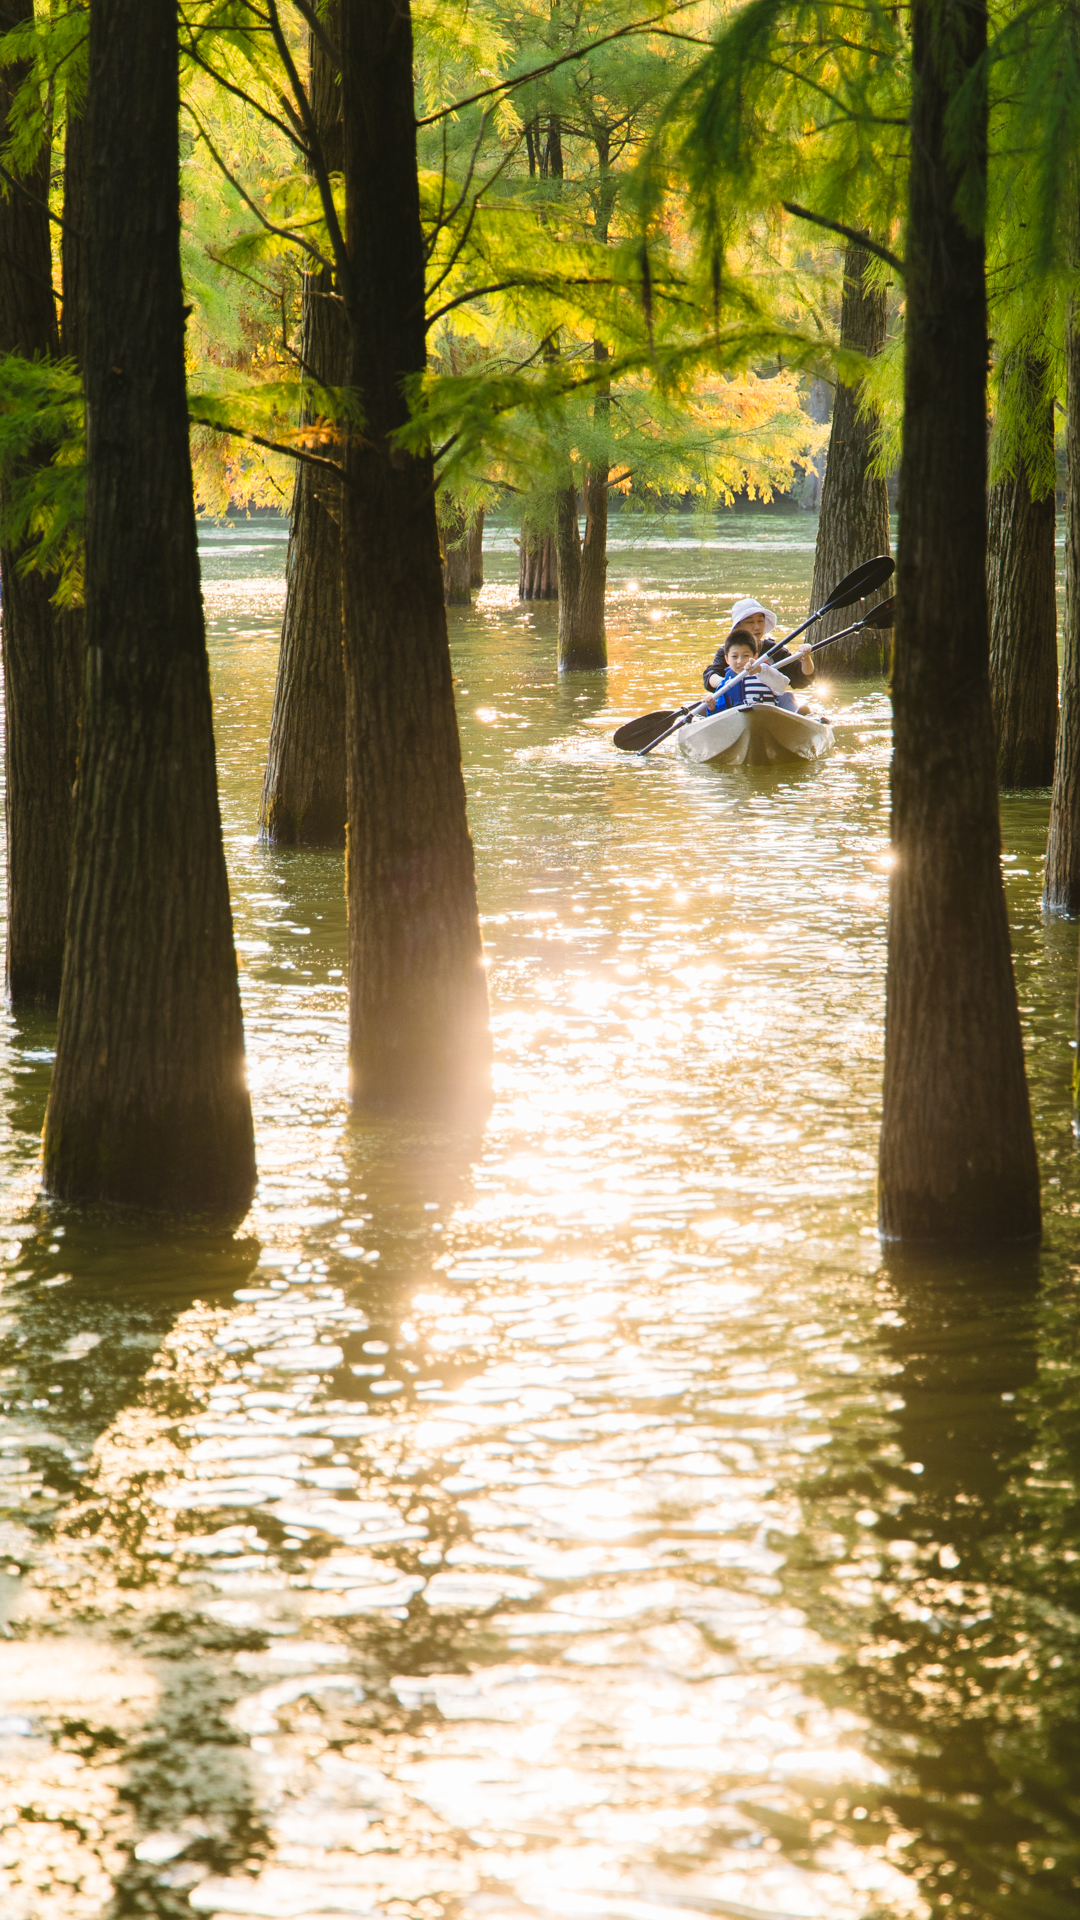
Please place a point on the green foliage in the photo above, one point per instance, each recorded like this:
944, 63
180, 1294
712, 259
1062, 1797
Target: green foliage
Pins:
52, 47
43, 469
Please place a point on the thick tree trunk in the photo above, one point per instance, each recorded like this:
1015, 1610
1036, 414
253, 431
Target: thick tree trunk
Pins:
854, 523
1021, 582
957, 1150
1061, 891
418, 993
476, 549
41, 649
148, 1103
454, 540
538, 568
303, 797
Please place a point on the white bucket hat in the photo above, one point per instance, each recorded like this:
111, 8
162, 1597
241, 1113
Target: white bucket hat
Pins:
744, 608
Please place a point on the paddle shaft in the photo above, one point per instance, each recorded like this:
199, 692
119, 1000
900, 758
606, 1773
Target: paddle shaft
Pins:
840, 596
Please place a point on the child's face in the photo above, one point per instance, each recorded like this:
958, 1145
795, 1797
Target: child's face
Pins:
738, 655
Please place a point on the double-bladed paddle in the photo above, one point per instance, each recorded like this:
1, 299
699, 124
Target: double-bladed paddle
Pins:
637, 736
880, 617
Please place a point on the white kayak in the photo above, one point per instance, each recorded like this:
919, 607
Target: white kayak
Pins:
760, 736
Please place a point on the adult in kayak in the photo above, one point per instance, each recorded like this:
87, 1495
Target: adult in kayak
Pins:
749, 616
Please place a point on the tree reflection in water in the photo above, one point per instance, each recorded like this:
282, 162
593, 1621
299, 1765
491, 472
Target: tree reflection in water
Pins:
961, 1533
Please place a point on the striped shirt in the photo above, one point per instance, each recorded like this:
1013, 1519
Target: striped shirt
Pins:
754, 691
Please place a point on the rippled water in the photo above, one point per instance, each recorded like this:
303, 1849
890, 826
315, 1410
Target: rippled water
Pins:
580, 1519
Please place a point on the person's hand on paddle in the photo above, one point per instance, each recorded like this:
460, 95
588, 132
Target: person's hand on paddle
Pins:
805, 659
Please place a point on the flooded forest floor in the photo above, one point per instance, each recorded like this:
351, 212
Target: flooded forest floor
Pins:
581, 1518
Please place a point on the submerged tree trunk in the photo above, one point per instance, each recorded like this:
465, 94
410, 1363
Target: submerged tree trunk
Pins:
455, 542
583, 563
148, 1103
582, 576
476, 549
854, 523
957, 1150
41, 648
417, 988
1061, 891
303, 797
538, 568
1021, 580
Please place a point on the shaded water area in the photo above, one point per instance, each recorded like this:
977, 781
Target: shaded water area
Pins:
582, 1518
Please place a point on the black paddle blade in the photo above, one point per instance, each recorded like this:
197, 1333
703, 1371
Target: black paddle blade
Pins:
865, 579
641, 733
881, 616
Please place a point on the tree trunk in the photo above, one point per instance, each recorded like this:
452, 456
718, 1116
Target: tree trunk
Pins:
476, 549
1022, 586
854, 523
1061, 891
957, 1151
73, 238
454, 540
538, 568
303, 796
148, 1104
418, 992
583, 563
582, 568
41, 649
583, 640
568, 565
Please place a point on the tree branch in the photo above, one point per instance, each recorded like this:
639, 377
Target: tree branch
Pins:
502, 286
283, 233
846, 233
342, 265
332, 53
537, 73
247, 98
273, 446
41, 205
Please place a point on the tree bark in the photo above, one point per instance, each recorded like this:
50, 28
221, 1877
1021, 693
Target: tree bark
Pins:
454, 540
73, 239
41, 648
418, 992
582, 568
538, 568
303, 797
1061, 890
568, 566
854, 523
957, 1160
1022, 587
476, 549
148, 1104
583, 563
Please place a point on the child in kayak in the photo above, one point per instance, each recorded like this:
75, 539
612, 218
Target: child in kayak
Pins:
763, 686
749, 616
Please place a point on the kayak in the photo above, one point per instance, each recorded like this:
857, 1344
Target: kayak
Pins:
761, 736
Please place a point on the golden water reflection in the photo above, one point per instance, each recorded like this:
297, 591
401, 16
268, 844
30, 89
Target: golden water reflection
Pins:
575, 1519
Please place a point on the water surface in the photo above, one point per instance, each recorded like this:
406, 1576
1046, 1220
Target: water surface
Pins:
579, 1519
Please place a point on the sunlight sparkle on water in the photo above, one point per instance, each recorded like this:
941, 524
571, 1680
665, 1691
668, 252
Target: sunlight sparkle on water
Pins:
558, 1521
